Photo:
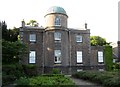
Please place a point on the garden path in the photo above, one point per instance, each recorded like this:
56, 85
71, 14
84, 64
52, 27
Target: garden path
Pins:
83, 83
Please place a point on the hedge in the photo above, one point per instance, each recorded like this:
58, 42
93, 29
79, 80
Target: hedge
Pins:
108, 58
109, 79
45, 81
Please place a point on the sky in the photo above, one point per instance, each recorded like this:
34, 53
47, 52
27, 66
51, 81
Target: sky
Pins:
100, 15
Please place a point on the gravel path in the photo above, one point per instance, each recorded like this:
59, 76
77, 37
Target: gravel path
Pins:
83, 83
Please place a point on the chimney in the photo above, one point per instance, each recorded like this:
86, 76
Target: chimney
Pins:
85, 25
23, 23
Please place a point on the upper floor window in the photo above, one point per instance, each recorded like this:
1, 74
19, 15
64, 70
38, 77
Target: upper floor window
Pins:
57, 36
79, 57
100, 56
32, 56
32, 37
57, 54
78, 38
57, 21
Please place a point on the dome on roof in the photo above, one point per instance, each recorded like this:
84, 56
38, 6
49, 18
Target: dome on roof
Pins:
56, 9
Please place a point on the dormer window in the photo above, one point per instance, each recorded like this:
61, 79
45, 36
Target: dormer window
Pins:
57, 21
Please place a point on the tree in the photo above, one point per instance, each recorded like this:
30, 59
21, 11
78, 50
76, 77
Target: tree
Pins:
5, 34
9, 34
98, 41
12, 52
13, 34
33, 23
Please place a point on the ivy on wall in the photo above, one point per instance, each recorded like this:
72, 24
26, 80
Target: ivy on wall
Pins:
108, 58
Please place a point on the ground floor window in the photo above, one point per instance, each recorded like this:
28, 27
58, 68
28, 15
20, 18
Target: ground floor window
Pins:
100, 56
32, 56
79, 57
57, 57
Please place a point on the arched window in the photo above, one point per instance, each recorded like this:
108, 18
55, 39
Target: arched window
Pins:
57, 21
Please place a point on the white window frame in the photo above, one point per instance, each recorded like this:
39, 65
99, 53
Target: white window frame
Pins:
57, 36
100, 57
57, 56
32, 57
32, 37
79, 57
78, 38
57, 21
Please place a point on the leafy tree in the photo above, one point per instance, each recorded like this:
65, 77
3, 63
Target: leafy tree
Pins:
9, 34
33, 23
13, 34
5, 34
12, 51
98, 41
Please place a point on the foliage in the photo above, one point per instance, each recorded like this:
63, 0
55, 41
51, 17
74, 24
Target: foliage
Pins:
44, 81
33, 23
109, 79
55, 71
12, 51
9, 34
108, 58
98, 41
30, 70
11, 72
116, 66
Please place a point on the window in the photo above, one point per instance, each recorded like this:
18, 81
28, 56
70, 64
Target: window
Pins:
57, 36
32, 37
78, 70
57, 21
57, 54
79, 57
78, 38
32, 56
100, 56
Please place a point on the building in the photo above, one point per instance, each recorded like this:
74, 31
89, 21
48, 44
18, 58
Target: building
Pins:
57, 46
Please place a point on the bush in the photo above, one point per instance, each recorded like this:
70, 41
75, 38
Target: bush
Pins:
30, 70
7, 79
56, 71
109, 79
43, 81
11, 72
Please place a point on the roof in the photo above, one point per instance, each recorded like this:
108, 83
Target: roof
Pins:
56, 9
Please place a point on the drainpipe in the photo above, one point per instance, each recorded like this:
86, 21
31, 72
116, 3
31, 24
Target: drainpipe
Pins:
43, 52
70, 49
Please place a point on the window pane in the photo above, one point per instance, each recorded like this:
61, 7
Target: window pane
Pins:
79, 57
78, 38
32, 37
57, 36
32, 57
100, 56
57, 21
57, 54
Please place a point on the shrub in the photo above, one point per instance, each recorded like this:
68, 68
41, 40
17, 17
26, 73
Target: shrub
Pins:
109, 79
56, 71
7, 79
30, 70
44, 81
11, 72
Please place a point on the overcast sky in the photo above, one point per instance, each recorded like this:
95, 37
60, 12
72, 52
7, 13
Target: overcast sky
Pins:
100, 15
